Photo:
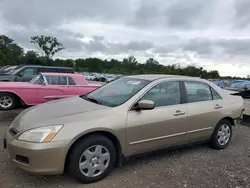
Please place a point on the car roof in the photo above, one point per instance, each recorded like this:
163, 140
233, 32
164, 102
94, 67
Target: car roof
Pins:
57, 74
78, 78
41, 66
152, 77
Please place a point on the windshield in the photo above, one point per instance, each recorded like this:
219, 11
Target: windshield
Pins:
15, 70
238, 85
117, 92
8, 70
38, 80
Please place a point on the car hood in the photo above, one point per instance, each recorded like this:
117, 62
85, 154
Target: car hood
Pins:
7, 77
54, 112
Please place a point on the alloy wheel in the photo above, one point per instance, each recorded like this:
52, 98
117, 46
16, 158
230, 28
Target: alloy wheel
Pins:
6, 102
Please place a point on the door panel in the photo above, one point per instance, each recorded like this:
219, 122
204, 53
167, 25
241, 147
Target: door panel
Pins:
155, 129
204, 110
160, 127
74, 90
201, 119
27, 74
47, 90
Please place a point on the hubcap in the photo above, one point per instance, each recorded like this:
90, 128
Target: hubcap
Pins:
94, 161
224, 134
6, 101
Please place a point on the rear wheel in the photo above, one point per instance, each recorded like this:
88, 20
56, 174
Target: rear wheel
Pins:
222, 135
92, 159
8, 101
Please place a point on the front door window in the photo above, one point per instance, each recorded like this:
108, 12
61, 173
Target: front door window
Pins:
164, 94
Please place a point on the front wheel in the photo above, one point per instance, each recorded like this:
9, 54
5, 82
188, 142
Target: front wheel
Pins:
8, 101
92, 159
222, 135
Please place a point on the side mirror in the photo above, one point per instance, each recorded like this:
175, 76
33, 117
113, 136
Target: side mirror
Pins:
146, 105
20, 74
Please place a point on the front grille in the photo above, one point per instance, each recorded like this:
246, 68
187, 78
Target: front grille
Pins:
12, 132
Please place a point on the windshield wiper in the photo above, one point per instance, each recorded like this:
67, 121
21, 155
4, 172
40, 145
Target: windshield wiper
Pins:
91, 99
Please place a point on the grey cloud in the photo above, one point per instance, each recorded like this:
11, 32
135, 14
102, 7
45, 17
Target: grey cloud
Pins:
69, 40
174, 13
231, 48
147, 14
201, 45
208, 48
242, 13
45, 13
139, 46
98, 44
166, 49
235, 46
192, 13
95, 46
98, 38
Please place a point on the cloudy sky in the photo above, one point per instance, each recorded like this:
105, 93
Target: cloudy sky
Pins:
214, 34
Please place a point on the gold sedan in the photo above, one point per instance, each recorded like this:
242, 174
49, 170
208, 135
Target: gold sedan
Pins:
89, 134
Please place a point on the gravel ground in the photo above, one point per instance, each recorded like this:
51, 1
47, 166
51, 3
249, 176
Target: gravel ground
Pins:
198, 166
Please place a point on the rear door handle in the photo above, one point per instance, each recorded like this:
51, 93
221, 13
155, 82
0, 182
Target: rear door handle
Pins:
178, 113
217, 106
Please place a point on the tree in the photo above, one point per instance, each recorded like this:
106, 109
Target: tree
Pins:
10, 52
32, 58
130, 64
49, 45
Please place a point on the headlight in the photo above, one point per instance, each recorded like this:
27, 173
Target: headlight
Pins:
41, 134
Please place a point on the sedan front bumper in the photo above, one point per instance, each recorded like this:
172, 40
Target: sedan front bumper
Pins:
37, 158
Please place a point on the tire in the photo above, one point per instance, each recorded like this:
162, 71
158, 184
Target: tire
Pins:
222, 135
88, 147
10, 101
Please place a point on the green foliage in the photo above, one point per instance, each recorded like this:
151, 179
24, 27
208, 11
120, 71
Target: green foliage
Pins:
12, 54
49, 45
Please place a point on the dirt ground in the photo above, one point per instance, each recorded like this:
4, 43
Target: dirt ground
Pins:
198, 166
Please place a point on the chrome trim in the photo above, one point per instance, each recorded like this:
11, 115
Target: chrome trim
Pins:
198, 130
169, 136
157, 138
20, 163
45, 79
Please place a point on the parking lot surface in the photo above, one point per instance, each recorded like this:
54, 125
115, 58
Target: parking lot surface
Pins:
197, 166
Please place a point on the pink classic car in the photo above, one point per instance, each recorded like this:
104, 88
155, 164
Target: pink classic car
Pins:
42, 88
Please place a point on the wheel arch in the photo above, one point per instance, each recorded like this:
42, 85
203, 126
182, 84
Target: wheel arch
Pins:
230, 119
105, 133
20, 99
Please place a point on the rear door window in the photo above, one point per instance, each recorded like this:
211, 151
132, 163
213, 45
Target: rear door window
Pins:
42, 69
216, 96
71, 81
56, 80
60, 70
197, 91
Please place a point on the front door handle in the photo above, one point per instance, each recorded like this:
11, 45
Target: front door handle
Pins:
217, 106
178, 113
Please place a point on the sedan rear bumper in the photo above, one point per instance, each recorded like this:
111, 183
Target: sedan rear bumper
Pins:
240, 118
38, 158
